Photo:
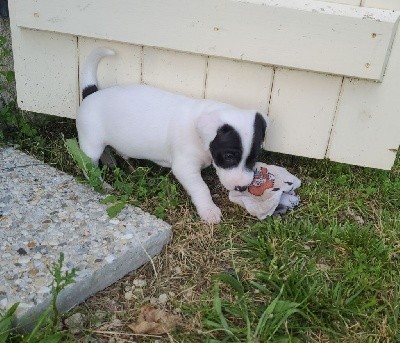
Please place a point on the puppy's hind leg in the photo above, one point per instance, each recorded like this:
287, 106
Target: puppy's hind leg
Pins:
191, 180
92, 149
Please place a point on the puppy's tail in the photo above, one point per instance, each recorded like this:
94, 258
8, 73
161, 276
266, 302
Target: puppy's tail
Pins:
88, 81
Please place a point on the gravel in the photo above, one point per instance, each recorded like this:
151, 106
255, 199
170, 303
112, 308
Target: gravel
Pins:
44, 212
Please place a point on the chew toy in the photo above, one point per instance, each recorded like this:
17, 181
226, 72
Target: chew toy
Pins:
271, 192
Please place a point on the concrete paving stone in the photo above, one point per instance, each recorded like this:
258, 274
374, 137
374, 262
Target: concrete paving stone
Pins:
44, 212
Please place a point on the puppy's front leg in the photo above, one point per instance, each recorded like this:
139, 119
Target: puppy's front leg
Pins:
191, 180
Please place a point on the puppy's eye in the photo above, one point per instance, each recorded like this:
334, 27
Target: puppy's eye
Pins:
229, 156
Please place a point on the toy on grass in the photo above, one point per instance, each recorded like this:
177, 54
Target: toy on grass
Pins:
271, 192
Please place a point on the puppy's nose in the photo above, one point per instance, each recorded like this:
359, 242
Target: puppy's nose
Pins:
240, 188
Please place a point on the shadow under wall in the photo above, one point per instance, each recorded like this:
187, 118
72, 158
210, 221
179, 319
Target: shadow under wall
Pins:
4, 8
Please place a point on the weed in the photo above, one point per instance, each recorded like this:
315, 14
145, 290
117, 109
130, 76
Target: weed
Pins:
242, 320
93, 174
60, 281
141, 186
47, 327
15, 128
6, 323
5, 75
134, 188
117, 204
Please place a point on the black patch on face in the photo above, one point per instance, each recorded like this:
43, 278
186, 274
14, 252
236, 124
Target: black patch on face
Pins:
226, 148
260, 125
89, 90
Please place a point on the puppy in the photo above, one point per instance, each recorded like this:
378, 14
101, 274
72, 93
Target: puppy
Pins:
172, 130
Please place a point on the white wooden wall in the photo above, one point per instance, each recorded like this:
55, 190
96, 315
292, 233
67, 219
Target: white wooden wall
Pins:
327, 74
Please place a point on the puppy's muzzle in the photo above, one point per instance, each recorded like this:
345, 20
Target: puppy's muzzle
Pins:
240, 188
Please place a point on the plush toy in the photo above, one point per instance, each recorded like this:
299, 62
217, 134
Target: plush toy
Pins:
271, 192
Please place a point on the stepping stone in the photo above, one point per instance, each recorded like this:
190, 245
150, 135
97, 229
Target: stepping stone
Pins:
44, 212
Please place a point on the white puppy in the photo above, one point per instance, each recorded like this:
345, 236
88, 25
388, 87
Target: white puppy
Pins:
172, 130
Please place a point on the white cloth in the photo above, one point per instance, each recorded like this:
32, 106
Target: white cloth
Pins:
271, 192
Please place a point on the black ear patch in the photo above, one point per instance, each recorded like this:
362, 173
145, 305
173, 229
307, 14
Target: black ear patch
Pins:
226, 148
260, 125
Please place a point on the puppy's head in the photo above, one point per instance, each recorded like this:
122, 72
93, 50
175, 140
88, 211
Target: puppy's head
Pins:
234, 139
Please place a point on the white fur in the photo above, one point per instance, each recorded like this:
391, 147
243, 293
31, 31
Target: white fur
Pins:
171, 130
89, 73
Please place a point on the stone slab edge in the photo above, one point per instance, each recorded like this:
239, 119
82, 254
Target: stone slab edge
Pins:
145, 244
91, 283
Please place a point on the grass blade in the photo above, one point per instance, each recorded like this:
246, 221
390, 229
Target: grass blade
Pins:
231, 281
78, 155
218, 309
6, 322
267, 313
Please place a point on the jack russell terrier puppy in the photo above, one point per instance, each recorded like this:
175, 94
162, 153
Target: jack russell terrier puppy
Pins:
174, 131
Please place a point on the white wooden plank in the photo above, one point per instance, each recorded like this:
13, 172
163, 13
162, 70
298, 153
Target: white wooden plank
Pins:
383, 4
367, 125
310, 35
243, 84
46, 70
174, 71
345, 2
301, 112
123, 68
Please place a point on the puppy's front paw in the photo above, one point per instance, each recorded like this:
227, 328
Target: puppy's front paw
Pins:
210, 214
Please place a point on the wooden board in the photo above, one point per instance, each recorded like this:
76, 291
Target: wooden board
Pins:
46, 66
123, 68
345, 2
174, 71
310, 35
301, 112
243, 84
367, 125
383, 4
46, 70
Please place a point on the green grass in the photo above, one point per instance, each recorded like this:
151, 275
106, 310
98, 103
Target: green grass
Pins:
333, 264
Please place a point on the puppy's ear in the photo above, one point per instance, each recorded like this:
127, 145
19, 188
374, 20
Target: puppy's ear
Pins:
207, 125
261, 122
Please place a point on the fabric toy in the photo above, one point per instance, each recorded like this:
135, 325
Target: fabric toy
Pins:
271, 192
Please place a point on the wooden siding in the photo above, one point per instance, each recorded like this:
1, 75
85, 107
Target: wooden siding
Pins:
367, 125
243, 84
46, 70
346, 2
302, 109
175, 71
351, 120
123, 68
310, 35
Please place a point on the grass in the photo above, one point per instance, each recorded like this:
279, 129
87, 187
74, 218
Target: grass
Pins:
341, 279
327, 272
332, 265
